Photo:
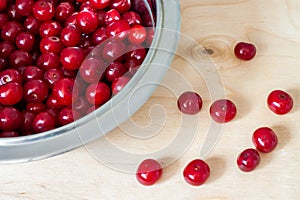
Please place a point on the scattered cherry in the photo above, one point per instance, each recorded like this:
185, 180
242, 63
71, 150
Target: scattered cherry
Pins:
222, 110
244, 51
196, 172
189, 103
264, 139
280, 102
148, 172
248, 160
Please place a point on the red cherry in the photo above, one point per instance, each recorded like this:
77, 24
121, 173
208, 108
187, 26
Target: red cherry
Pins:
248, 160
189, 103
264, 139
63, 90
99, 36
3, 19
118, 29
10, 30
97, 93
24, 7
91, 70
43, 10
137, 34
6, 48
70, 36
244, 51
7, 134
10, 75
112, 50
50, 28
196, 172
67, 115
43, 121
119, 83
222, 110
63, 11
72, 57
100, 4
26, 125
36, 107
13, 14
148, 172
132, 18
10, 93
51, 76
114, 70
10, 119
121, 6
111, 15
280, 102
51, 44
87, 21
48, 61
32, 25
25, 41
32, 73
20, 58
35, 91
3, 5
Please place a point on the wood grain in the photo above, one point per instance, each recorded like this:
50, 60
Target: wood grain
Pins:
216, 25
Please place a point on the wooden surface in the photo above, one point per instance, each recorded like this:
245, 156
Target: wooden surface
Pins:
274, 27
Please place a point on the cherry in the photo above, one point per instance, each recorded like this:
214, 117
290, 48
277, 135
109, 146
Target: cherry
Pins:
25, 41
43, 121
11, 119
50, 28
32, 73
196, 172
63, 11
70, 36
24, 7
189, 103
132, 18
53, 75
119, 83
52, 102
64, 91
3, 5
97, 93
36, 107
81, 105
87, 21
111, 15
10, 30
3, 19
72, 57
26, 125
244, 51
32, 25
6, 48
10, 93
148, 172
7, 134
13, 14
20, 58
86, 6
35, 91
48, 61
100, 4
136, 52
114, 70
137, 34
71, 21
112, 50
43, 10
67, 115
280, 102
51, 44
222, 110
121, 6
264, 139
10, 75
248, 160
92, 70
118, 29
99, 36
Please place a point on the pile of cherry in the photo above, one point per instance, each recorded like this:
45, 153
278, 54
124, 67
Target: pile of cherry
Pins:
46, 81
222, 111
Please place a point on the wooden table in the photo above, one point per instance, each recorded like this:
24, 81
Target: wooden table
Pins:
274, 27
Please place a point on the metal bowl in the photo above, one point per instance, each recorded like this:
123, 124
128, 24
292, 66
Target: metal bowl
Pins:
118, 109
